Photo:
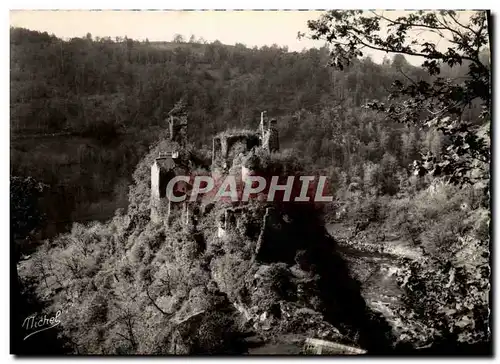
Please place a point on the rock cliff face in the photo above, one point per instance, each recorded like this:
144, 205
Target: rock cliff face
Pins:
298, 288
283, 275
220, 277
274, 266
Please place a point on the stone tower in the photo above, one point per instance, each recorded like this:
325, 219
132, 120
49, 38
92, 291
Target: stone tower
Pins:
269, 133
263, 120
162, 171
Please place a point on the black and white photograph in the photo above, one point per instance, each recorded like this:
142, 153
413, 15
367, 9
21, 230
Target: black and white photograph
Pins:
250, 183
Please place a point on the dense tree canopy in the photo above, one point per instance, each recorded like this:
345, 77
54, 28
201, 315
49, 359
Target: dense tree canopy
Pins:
440, 38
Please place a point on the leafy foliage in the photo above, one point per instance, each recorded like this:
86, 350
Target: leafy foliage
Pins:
438, 102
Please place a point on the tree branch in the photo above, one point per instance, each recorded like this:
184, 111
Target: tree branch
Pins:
457, 33
154, 303
410, 24
393, 50
125, 337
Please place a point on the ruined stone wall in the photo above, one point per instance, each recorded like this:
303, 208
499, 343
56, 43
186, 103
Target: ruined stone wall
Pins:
160, 178
160, 210
159, 204
216, 150
190, 214
229, 220
155, 183
270, 137
155, 203
263, 122
226, 147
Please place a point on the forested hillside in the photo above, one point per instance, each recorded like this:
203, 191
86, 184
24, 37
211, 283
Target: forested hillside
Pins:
427, 234
106, 90
99, 87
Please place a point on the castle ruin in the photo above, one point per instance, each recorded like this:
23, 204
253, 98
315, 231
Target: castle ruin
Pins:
226, 147
268, 133
164, 168
162, 171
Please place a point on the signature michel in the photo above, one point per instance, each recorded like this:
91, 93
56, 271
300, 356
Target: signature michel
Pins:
35, 324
